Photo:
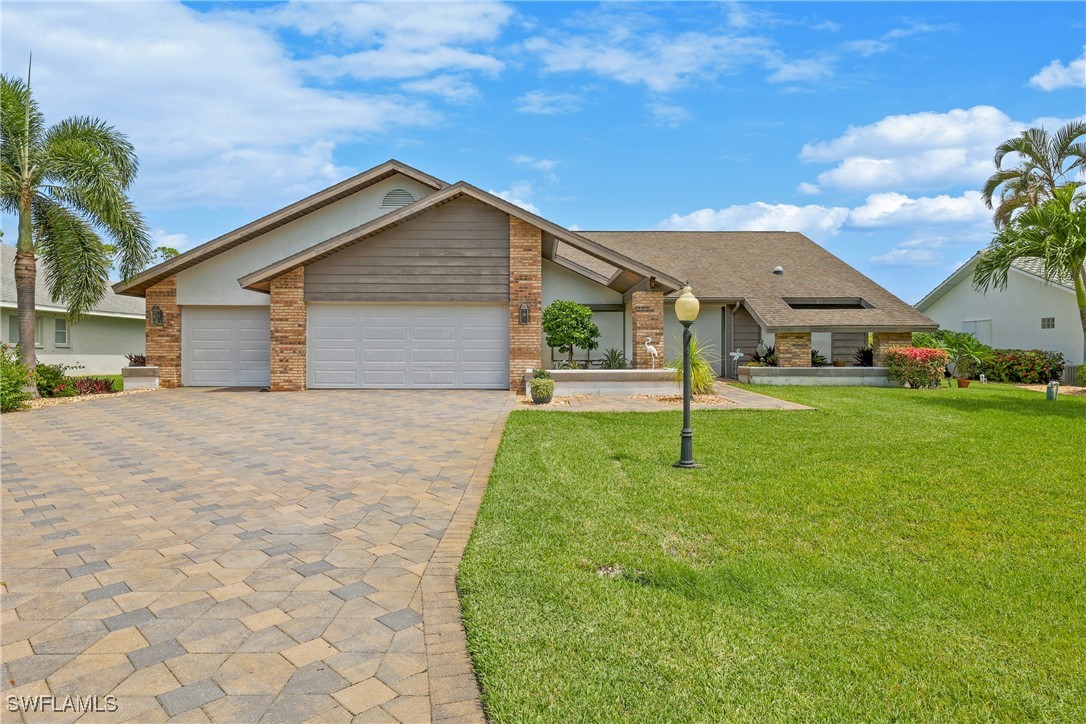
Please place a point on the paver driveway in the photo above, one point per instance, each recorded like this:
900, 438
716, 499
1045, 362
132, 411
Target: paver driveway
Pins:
239, 556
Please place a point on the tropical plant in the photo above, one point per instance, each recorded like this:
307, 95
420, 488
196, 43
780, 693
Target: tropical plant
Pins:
864, 357
930, 340
613, 359
1080, 376
1046, 162
136, 360
541, 375
15, 379
702, 374
915, 366
1055, 234
568, 326
766, 355
542, 390
965, 352
818, 359
53, 380
66, 184
92, 385
1028, 366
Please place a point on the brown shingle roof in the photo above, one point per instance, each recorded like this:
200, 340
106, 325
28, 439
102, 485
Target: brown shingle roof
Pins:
732, 266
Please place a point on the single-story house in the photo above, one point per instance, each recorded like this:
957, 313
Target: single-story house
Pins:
394, 278
98, 343
1030, 313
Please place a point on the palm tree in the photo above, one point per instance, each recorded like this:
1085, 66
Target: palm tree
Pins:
1053, 232
66, 184
1047, 162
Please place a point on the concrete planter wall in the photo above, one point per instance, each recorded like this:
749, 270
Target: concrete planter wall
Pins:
610, 382
140, 378
822, 376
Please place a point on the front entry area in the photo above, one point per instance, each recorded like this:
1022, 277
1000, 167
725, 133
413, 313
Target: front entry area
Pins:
225, 346
460, 346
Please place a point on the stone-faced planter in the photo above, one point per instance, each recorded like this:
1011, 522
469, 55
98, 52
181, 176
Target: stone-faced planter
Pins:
140, 378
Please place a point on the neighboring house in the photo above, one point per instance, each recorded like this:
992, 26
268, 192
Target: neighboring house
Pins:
1029, 314
394, 278
98, 344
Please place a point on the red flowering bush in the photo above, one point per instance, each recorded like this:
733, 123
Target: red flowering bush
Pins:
919, 367
1029, 366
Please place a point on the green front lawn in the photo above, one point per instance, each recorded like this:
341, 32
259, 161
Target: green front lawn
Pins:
896, 554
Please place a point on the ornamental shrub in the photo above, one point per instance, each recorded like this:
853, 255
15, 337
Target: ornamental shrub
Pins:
702, 374
14, 379
1028, 366
53, 380
569, 325
915, 366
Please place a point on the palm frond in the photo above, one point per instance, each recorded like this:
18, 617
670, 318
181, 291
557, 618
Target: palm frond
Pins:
76, 261
95, 138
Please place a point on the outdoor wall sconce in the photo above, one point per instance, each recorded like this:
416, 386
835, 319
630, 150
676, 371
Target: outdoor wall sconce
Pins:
157, 318
525, 313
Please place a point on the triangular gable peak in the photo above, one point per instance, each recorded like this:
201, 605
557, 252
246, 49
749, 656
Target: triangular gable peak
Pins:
561, 245
340, 191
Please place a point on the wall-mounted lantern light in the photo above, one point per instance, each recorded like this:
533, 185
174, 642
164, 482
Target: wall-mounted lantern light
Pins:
157, 318
525, 313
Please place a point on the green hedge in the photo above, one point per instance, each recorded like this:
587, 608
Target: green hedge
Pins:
1029, 366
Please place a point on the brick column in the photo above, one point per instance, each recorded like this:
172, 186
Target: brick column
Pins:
164, 341
525, 285
288, 331
648, 321
885, 340
793, 348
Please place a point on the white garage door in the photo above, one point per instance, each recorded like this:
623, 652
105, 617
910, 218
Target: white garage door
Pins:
372, 345
225, 346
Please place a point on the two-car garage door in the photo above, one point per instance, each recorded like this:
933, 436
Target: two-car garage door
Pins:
408, 345
354, 345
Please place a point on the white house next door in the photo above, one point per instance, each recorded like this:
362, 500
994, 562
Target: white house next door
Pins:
225, 346
463, 346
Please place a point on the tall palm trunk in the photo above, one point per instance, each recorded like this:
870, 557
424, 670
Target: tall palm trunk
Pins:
1080, 295
26, 276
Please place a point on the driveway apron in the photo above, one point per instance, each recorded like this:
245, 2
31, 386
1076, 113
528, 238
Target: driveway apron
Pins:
233, 555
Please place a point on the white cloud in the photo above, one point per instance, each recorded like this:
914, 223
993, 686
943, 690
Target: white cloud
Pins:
450, 87
803, 70
893, 209
1056, 75
917, 151
518, 194
398, 40
543, 103
917, 252
667, 114
808, 189
540, 164
813, 220
161, 237
214, 104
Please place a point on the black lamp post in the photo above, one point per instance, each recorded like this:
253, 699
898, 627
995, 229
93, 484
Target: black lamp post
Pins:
686, 309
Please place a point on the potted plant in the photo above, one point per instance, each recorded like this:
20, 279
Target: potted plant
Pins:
965, 353
542, 387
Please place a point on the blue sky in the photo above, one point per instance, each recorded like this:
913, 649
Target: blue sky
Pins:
867, 126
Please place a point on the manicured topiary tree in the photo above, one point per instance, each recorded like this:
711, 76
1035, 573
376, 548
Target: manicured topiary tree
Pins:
568, 325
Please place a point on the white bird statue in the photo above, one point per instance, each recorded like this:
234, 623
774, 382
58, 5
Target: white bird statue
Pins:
652, 351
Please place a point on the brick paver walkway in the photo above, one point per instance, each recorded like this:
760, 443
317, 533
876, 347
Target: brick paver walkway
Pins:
231, 555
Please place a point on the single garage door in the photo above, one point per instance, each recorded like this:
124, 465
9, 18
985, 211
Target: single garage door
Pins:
422, 346
225, 346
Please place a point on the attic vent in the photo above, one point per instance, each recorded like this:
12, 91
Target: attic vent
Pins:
829, 303
396, 198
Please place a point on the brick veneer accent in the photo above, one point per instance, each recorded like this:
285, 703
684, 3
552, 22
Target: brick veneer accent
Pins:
288, 331
648, 321
885, 340
793, 348
525, 284
164, 342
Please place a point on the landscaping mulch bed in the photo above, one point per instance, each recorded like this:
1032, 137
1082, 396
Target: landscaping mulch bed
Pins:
1073, 390
695, 400
50, 401
565, 401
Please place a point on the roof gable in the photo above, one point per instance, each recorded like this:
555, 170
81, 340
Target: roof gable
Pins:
1032, 266
260, 280
274, 220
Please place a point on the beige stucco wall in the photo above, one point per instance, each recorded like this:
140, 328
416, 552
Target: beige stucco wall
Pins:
215, 281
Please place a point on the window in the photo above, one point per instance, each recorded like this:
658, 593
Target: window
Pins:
396, 198
13, 330
1048, 322
60, 332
